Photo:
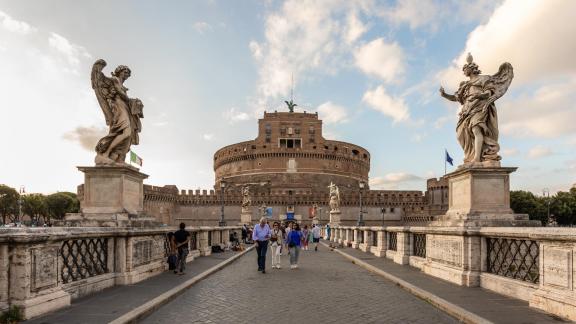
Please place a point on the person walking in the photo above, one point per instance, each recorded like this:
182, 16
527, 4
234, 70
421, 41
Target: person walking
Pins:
294, 241
316, 236
327, 232
244, 234
172, 254
305, 233
181, 238
260, 235
276, 239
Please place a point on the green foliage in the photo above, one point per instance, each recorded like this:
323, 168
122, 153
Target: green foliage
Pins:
524, 202
60, 203
562, 206
34, 205
8, 203
13, 315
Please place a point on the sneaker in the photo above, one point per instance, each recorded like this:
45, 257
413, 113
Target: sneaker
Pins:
292, 266
263, 271
316, 248
278, 267
295, 266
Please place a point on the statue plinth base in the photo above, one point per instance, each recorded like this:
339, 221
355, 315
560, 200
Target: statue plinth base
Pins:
480, 196
335, 217
246, 217
112, 196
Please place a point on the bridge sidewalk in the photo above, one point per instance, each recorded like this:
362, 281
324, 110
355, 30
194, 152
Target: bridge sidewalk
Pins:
481, 302
114, 302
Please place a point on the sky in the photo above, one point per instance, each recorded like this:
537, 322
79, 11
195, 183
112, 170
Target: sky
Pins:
207, 69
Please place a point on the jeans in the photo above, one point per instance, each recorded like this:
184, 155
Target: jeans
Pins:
294, 253
182, 254
261, 249
275, 254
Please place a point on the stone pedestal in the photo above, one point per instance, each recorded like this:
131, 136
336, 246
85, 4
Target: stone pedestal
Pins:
111, 196
246, 217
334, 218
480, 196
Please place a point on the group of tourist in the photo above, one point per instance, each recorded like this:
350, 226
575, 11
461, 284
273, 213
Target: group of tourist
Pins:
280, 238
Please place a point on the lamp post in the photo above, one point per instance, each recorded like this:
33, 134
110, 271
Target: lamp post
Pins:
22, 191
360, 222
546, 193
222, 187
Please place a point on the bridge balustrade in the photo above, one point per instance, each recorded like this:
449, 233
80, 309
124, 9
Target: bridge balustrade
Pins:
44, 269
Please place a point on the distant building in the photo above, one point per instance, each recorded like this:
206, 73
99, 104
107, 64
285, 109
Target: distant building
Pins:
288, 167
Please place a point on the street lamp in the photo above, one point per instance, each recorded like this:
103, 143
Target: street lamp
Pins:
546, 193
22, 191
222, 187
360, 222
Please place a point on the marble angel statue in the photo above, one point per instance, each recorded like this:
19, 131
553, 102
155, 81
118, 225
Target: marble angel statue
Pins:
122, 114
334, 198
477, 127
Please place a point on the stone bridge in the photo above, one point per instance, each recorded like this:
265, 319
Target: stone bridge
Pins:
397, 274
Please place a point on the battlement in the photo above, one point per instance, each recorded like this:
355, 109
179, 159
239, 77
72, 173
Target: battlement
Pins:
434, 183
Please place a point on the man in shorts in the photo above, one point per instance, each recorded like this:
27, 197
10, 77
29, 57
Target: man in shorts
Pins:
315, 236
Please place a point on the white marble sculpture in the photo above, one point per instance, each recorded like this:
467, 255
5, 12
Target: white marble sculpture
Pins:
334, 198
477, 127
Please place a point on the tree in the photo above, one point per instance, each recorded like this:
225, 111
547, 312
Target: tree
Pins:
8, 202
34, 205
524, 202
76, 205
60, 203
563, 207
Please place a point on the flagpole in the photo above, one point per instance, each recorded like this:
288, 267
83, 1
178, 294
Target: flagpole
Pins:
445, 161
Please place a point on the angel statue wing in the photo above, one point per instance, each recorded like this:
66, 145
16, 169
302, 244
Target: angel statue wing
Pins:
500, 82
104, 88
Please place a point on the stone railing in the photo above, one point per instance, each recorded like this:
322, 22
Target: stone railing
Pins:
43, 269
535, 264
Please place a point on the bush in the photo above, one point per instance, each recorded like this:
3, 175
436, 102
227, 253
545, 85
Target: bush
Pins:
12, 315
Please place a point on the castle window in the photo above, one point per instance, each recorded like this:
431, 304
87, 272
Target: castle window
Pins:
355, 152
268, 139
311, 139
297, 131
268, 129
311, 130
290, 143
391, 209
283, 131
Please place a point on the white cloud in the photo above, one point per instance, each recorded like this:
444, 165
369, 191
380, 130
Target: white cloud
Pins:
255, 49
379, 100
354, 28
509, 152
332, 114
208, 137
381, 59
535, 36
547, 112
73, 53
15, 26
393, 180
233, 115
539, 151
201, 27
43, 102
416, 13
304, 37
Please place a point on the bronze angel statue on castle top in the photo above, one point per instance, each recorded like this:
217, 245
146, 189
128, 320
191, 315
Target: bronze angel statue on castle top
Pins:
122, 114
477, 127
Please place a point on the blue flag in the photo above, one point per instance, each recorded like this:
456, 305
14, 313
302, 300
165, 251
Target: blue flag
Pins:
448, 158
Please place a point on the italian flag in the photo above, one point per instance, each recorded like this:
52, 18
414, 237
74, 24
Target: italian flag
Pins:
135, 158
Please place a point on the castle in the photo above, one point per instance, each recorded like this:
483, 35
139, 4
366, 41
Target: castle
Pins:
287, 169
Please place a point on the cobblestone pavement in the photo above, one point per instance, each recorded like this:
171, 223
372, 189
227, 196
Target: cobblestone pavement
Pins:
326, 289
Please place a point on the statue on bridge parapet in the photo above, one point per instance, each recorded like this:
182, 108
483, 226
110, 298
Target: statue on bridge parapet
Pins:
334, 198
477, 127
122, 114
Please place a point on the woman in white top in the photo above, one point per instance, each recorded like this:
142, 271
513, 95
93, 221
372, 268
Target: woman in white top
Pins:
276, 239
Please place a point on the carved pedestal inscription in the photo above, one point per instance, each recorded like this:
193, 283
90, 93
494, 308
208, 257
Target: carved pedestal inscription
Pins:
444, 249
557, 267
142, 252
44, 268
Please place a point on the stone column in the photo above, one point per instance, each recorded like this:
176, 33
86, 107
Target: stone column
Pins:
120, 266
367, 241
203, 246
403, 248
356, 242
226, 236
381, 248
4, 275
